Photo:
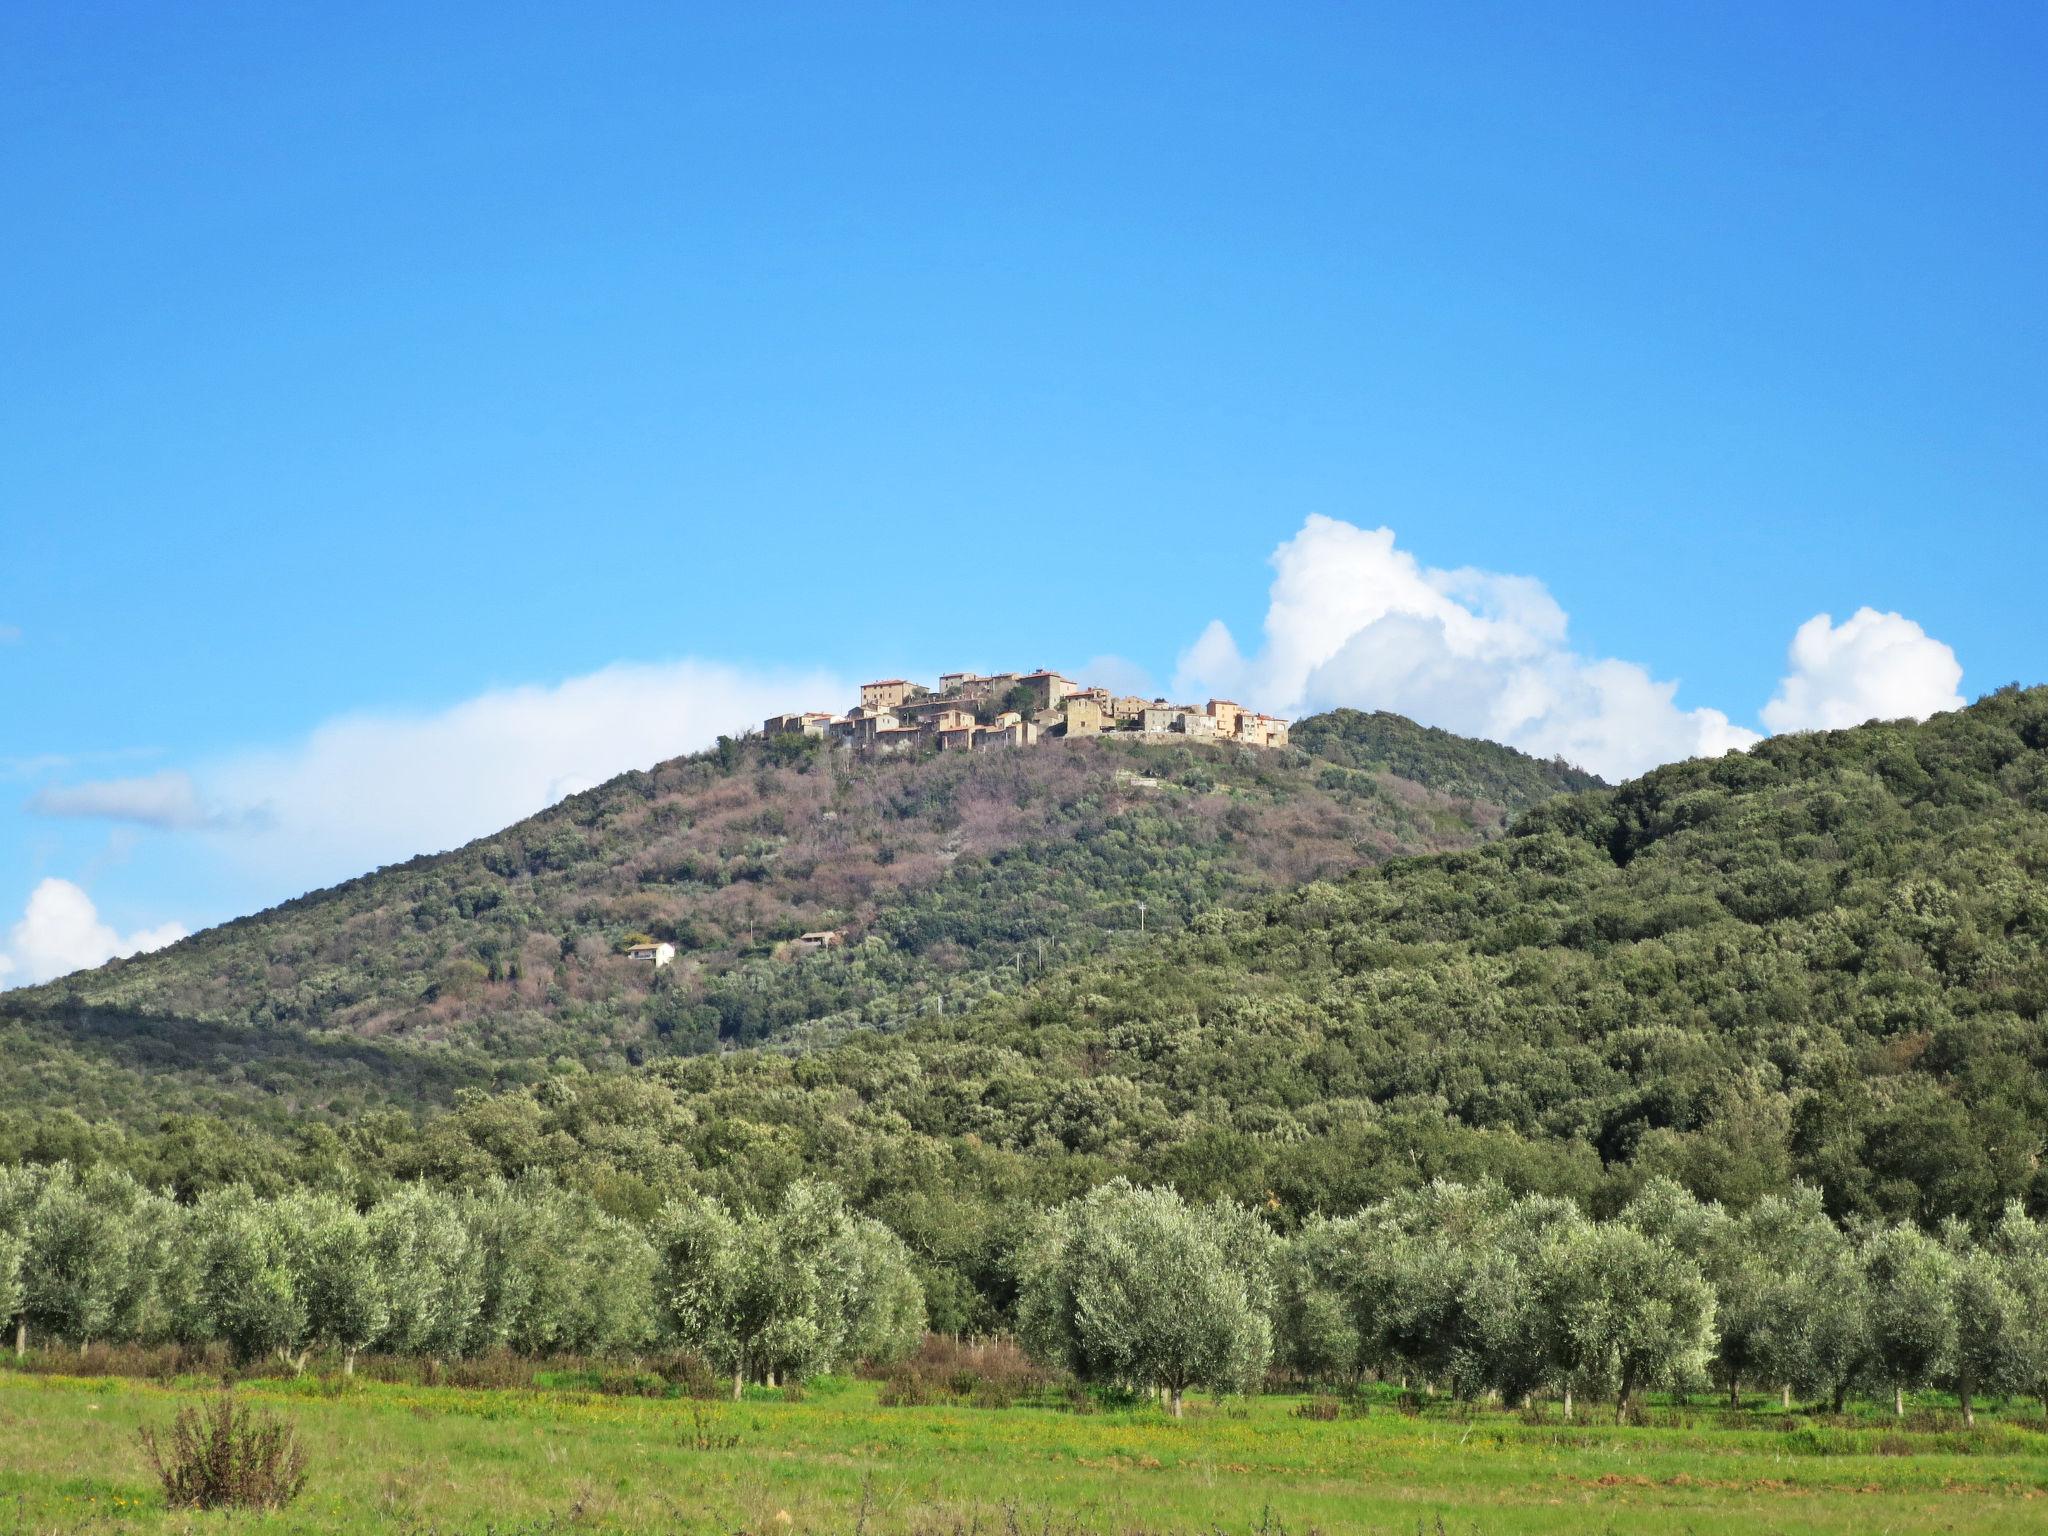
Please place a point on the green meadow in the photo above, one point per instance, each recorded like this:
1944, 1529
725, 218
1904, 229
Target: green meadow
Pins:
419, 1459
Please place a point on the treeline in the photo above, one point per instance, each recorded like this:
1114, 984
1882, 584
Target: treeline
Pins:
1468, 1289
523, 1266
1481, 1293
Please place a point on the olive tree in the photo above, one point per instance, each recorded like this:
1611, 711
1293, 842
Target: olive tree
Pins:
1316, 1333
339, 1280
756, 1293
2021, 1244
432, 1272
1138, 1286
1991, 1345
1501, 1327
1793, 1305
248, 1255
21, 1190
1624, 1312
560, 1273
879, 1297
79, 1269
1910, 1279
11, 1289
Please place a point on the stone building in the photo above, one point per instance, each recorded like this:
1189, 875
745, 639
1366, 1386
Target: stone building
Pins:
1085, 715
1009, 731
886, 694
1048, 688
896, 714
810, 722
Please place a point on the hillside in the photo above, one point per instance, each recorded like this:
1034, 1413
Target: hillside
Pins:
952, 878
1825, 960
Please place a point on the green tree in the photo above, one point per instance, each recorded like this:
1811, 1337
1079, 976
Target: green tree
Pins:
432, 1272
754, 1293
12, 1291
250, 1253
1911, 1281
79, 1267
1793, 1304
2021, 1244
1138, 1286
1626, 1312
880, 1297
1992, 1344
558, 1272
21, 1191
1316, 1331
339, 1280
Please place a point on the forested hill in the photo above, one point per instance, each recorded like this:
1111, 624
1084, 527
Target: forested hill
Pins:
1450, 764
1825, 960
951, 877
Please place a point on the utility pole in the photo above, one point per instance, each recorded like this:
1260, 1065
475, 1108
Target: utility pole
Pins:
1141, 919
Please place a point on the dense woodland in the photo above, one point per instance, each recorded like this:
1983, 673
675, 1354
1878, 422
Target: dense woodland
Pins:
1820, 962
954, 877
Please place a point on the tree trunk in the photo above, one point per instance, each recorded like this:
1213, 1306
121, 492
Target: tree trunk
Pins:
1898, 1402
1176, 1402
348, 1362
21, 1346
1785, 1397
1567, 1405
1969, 1411
1841, 1396
738, 1382
1734, 1393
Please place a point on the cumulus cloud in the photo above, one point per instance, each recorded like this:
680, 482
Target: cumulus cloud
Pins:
1871, 666
375, 788
169, 801
1354, 620
61, 931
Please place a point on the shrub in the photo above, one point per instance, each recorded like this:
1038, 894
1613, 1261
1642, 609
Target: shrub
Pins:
1322, 1409
986, 1373
221, 1456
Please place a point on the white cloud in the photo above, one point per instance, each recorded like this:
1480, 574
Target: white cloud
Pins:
375, 788
1871, 666
9, 633
61, 931
1354, 620
169, 801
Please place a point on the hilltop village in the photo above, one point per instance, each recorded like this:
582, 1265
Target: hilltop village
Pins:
970, 713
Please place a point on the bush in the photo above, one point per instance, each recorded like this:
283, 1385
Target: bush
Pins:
1322, 1409
988, 1373
220, 1456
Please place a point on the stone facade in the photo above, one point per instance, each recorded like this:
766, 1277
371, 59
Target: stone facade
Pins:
896, 715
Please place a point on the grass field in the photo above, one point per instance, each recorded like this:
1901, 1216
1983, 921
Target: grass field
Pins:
435, 1459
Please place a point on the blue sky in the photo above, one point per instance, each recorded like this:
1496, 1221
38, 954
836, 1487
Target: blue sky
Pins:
370, 364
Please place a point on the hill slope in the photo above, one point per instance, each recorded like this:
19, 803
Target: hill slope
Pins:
953, 878
1824, 960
